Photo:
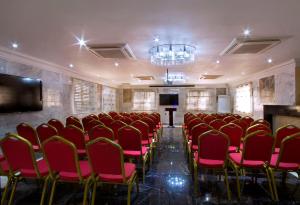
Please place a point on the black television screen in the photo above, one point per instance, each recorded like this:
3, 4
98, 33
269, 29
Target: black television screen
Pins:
19, 94
168, 99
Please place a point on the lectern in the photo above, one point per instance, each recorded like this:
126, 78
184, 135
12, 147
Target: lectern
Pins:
170, 110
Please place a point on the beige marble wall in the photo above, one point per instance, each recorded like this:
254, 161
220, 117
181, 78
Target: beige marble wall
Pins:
280, 121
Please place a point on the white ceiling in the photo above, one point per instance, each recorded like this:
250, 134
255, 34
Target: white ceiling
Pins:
47, 30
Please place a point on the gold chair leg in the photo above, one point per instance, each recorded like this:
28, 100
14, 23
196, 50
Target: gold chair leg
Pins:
144, 168
13, 191
9, 181
85, 193
44, 190
94, 192
269, 183
196, 178
129, 193
227, 185
52, 191
274, 184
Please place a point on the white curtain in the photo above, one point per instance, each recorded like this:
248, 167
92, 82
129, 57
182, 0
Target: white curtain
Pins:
243, 98
144, 100
199, 100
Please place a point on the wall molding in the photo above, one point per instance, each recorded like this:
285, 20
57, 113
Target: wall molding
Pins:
18, 57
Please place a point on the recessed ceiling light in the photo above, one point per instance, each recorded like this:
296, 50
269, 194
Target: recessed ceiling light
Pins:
218, 61
15, 45
205, 73
156, 39
270, 60
247, 32
81, 42
116, 64
71, 65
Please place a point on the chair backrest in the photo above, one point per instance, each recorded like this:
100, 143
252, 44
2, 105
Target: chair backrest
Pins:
61, 156
101, 131
112, 114
73, 121
19, 154
57, 124
102, 114
257, 127
130, 138
234, 133
127, 120
240, 123
209, 118
142, 127
258, 146
237, 116
198, 130
283, 132
29, 133
98, 150
95, 117
45, 131
150, 123
289, 150
192, 123
85, 121
217, 124
229, 119
261, 121
213, 145
115, 126
74, 135
92, 124
106, 120
134, 117
248, 120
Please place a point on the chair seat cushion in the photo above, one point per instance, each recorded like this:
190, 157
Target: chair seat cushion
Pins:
276, 150
209, 163
129, 169
81, 152
236, 158
73, 176
134, 153
232, 149
42, 166
36, 148
146, 142
283, 165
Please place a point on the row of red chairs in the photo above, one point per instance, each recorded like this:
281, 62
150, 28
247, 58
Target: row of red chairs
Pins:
215, 146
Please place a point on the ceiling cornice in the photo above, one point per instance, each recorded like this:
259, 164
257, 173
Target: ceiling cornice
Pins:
22, 58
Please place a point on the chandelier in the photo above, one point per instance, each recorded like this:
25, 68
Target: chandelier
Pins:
172, 54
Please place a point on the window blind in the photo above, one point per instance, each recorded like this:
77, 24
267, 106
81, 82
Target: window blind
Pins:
243, 98
199, 100
144, 100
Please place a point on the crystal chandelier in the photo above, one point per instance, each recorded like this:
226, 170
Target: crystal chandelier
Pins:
172, 54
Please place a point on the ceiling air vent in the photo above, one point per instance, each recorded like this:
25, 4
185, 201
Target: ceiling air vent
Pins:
117, 50
145, 77
209, 77
250, 45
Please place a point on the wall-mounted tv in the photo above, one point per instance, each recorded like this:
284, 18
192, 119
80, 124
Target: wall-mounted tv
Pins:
168, 99
20, 94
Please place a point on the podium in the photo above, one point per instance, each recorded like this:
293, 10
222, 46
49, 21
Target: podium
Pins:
171, 110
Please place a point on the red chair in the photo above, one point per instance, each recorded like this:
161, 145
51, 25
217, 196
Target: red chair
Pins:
73, 118
208, 119
193, 143
257, 127
106, 120
92, 124
112, 169
152, 128
95, 117
4, 171
248, 120
127, 120
19, 154
112, 114
212, 154
85, 121
217, 124
134, 117
64, 166
282, 133
74, 121
235, 134
287, 160
130, 140
256, 154
229, 119
237, 116
115, 126
190, 125
76, 136
45, 131
29, 133
57, 124
242, 124
101, 131
261, 121
100, 115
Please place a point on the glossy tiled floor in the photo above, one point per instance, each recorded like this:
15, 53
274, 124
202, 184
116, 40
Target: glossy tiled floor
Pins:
168, 181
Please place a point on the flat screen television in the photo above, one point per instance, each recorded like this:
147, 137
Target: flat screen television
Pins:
168, 99
20, 94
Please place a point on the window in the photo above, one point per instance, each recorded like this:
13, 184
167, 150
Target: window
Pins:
144, 100
108, 99
243, 98
199, 100
85, 97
